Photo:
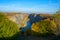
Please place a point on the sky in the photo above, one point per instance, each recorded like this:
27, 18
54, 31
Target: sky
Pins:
36, 6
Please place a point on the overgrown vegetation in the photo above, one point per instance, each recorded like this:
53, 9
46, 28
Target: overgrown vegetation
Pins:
56, 18
44, 28
7, 28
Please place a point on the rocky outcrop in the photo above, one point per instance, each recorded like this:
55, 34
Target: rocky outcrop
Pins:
20, 19
23, 20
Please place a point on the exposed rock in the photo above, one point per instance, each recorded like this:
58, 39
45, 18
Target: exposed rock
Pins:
20, 19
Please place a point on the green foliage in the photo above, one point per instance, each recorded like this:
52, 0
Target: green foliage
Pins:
56, 17
7, 27
45, 27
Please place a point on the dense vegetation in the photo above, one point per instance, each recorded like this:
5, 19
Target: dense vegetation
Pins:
7, 27
56, 18
44, 28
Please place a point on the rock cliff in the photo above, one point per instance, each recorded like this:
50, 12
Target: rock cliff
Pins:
22, 19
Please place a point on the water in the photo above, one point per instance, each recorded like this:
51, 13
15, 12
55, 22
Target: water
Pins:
28, 26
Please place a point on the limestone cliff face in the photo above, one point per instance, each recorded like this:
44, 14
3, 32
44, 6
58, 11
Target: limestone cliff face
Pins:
20, 19
23, 20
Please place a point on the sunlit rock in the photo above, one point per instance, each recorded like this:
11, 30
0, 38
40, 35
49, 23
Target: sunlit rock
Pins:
20, 19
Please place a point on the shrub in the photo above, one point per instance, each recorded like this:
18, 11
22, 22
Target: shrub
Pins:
7, 27
43, 28
56, 17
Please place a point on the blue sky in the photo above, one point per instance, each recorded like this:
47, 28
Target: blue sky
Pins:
42, 6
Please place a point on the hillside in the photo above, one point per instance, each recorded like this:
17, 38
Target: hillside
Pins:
34, 25
21, 19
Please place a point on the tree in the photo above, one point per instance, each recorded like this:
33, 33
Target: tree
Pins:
7, 27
